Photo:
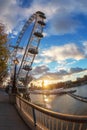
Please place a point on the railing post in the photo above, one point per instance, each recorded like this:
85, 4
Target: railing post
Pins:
34, 116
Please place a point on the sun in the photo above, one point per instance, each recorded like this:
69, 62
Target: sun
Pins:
46, 82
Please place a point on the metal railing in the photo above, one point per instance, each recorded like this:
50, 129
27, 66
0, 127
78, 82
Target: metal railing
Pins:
49, 120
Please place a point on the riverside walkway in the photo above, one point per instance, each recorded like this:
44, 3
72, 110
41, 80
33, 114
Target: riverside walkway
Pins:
9, 117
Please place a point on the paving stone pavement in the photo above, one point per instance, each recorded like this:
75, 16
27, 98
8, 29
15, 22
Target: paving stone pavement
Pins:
9, 118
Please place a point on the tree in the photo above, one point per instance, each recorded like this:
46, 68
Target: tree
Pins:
4, 53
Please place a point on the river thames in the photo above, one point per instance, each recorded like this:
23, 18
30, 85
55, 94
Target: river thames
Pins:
63, 103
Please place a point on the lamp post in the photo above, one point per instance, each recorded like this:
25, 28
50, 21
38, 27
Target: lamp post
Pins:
14, 88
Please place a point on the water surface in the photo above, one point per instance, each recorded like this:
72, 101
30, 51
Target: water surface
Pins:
63, 103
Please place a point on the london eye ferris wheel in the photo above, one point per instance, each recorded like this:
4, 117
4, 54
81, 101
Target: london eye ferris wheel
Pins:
29, 50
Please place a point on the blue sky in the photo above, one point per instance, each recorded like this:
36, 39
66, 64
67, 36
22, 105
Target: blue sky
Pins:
63, 50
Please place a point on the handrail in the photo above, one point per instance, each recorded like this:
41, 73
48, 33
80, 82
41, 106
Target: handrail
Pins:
66, 117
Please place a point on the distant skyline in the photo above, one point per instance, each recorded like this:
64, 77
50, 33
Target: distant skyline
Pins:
63, 50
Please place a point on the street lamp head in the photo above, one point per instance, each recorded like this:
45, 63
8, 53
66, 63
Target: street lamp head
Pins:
16, 61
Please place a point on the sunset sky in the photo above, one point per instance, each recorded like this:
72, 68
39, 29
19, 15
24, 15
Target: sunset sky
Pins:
63, 50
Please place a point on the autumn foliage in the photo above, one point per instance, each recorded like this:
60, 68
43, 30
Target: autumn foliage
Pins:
3, 51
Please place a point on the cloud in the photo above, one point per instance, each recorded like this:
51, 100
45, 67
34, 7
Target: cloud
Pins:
64, 55
50, 76
76, 70
9, 14
63, 25
64, 52
60, 14
39, 70
61, 74
85, 47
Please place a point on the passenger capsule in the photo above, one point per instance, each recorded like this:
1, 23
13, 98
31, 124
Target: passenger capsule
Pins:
41, 23
42, 16
38, 34
27, 68
39, 12
33, 50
